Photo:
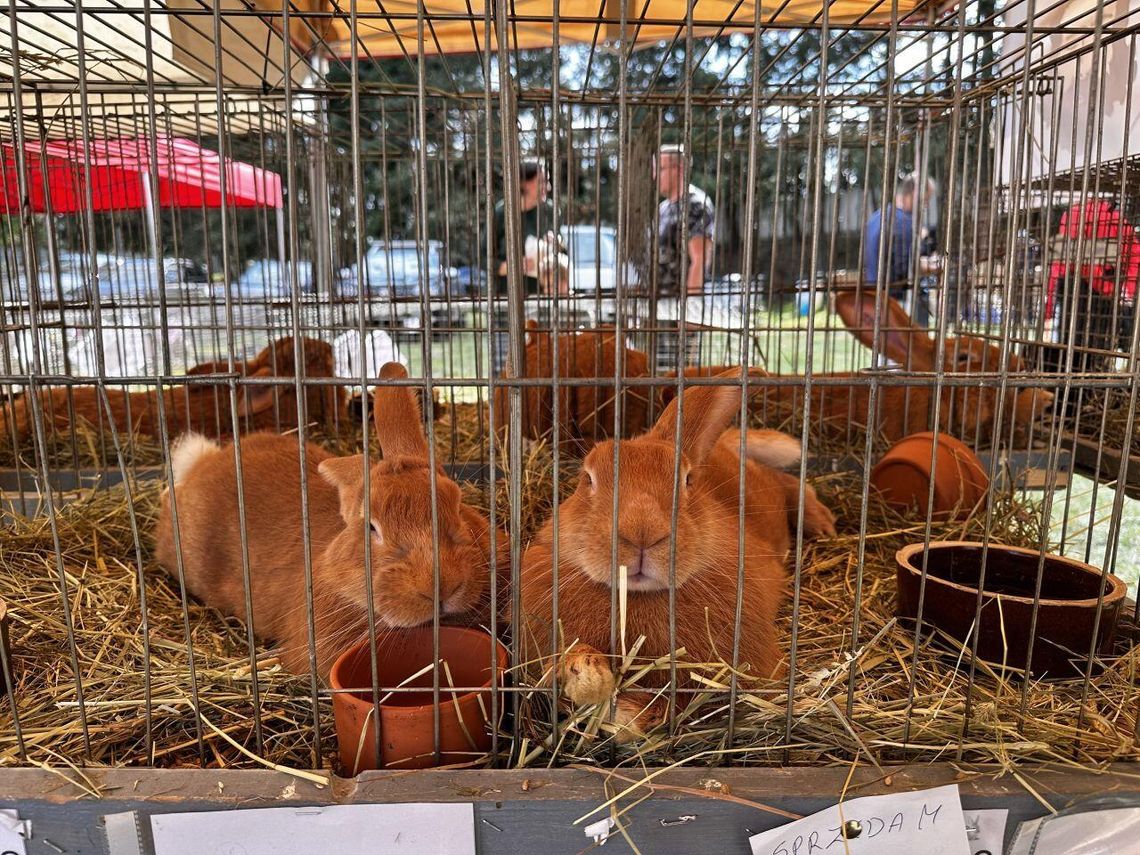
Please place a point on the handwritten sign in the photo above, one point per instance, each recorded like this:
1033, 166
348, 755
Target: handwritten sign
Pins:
390, 829
13, 833
926, 821
985, 829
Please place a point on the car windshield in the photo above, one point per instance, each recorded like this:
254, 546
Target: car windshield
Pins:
258, 272
274, 273
585, 245
402, 261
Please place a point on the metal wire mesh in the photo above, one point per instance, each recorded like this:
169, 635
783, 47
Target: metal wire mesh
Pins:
131, 319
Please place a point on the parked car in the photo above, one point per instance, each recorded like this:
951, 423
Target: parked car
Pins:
593, 259
72, 269
399, 268
271, 278
134, 279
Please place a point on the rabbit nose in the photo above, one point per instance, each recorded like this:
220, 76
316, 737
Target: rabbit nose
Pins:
447, 590
642, 542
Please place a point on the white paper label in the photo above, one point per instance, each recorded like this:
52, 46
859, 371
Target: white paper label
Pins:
392, 829
985, 829
13, 833
926, 821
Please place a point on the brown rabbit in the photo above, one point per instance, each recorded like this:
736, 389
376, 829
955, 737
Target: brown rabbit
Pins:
586, 413
968, 412
965, 412
203, 408
707, 538
399, 519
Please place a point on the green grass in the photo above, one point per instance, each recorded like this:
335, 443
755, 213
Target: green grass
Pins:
779, 342
1086, 535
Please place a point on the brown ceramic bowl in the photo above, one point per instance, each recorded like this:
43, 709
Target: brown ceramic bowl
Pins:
1066, 612
903, 475
407, 739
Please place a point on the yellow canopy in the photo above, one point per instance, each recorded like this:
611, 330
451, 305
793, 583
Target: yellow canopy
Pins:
457, 26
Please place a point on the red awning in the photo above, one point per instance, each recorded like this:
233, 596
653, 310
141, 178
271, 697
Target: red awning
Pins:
189, 176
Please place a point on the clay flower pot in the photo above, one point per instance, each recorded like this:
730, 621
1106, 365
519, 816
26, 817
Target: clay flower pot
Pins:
406, 721
903, 475
1066, 609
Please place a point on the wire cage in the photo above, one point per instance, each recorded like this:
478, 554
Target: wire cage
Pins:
231, 218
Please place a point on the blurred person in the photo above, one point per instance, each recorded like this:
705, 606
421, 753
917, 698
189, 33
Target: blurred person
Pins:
536, 216
681, 267
544, 269
898, 274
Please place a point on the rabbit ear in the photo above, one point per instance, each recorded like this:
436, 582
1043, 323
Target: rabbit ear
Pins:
707, 412
347, 475
256, 399
319, 359
903, 341
399, 425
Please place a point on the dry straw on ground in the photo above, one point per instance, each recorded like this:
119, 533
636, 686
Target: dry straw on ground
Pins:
1113, 408
881, 720
857, 698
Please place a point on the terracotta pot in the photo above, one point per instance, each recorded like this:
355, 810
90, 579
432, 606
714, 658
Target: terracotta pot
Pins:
406, 720
1066, 609
902, 476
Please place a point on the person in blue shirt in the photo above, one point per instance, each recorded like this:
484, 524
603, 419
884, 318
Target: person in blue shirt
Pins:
897, 263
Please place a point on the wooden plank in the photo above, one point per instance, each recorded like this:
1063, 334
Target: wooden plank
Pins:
32, 504
1087, 452
28, 481
527, 811
20, 490
1038, 479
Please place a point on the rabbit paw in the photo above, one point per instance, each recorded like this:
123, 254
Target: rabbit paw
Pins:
819, 521
636, 714
586, 676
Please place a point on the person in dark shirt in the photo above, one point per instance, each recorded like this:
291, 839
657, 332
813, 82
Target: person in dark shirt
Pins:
899, 218
536, 214
536, 219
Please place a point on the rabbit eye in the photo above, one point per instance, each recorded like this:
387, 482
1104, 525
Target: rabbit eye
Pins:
689, 479
587, 479
375, 526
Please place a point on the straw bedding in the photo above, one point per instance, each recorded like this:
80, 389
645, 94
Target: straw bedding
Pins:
103, 593
1113, 407
884, 722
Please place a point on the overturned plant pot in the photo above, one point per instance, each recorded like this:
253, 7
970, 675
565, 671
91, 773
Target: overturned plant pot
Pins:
903, 476
1067, 608
406, 728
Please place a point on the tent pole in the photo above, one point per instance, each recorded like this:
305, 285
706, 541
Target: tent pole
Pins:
279, 221
151, 234
322, 255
